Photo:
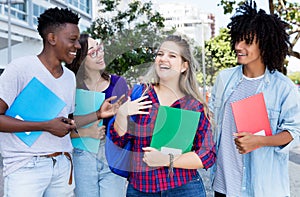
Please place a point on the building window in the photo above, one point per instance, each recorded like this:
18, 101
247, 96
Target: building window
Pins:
37, 11
83, 5
188, 24
83, 28
17, 11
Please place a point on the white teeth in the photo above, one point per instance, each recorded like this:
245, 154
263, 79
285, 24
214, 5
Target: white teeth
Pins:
73, 53
164, 67
241, 54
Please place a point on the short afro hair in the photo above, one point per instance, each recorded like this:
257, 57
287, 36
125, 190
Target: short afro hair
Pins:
52, 18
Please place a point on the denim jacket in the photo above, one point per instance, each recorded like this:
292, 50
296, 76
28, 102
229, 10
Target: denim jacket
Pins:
265, 170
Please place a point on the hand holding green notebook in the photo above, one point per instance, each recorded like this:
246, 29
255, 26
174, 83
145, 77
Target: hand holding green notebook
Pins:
174, 130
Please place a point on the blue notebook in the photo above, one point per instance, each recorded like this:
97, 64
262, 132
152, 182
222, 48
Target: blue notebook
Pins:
86, 143
87, 102
35, 103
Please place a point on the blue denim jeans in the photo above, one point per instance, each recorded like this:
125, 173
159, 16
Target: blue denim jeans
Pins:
191, 189
93, 177
41, 176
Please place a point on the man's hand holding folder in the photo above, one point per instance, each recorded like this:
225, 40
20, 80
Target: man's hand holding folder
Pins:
37, 104
60, 126
252, 123
246, 142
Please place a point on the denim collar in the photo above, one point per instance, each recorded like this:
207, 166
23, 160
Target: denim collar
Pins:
266, 78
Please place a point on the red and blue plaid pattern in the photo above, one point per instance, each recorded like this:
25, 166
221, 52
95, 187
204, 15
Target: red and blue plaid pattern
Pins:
140, 130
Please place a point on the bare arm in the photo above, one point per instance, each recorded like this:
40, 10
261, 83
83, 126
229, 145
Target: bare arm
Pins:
188, 160
55, 126
106, 110
94, 131
154, 158
245, 142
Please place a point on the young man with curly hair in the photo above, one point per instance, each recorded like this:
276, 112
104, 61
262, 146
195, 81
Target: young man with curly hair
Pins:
250, 165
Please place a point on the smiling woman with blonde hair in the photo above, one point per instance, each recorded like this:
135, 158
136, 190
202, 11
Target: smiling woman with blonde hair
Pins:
172, 83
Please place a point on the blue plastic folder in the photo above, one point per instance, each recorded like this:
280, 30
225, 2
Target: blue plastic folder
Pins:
87, 102
174, 130
86, 143
35, 103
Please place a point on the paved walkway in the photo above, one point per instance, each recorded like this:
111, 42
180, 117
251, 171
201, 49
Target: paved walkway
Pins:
294, 166
294, 172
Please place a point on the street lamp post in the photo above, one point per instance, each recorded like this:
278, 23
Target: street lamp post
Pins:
203, 60
9, 32
9, 2
203, 54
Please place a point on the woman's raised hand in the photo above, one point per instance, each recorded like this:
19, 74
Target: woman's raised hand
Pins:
135, 107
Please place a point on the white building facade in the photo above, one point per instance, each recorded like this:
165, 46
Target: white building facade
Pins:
25, 39
189, 20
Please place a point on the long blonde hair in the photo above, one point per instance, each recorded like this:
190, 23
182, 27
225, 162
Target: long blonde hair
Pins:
187, 82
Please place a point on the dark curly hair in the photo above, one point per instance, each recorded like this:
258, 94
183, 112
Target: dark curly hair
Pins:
53, 18
268, 30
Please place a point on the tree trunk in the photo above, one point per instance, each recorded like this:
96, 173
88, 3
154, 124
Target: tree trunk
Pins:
271, 6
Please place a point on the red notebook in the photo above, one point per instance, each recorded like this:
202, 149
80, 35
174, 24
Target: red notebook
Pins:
250, 115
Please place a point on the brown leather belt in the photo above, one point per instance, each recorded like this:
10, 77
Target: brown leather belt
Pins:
68, 156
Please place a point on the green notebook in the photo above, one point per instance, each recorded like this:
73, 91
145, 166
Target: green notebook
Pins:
174, 130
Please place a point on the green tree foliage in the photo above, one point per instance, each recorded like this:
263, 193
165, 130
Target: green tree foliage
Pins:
287, 10
130, 36
218, 55
295, 77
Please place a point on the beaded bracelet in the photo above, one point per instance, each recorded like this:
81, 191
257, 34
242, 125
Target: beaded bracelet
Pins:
171, 166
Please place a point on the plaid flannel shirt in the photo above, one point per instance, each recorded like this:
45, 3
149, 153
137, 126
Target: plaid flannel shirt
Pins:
149, 179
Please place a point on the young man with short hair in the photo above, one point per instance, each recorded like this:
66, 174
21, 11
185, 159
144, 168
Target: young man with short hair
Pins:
45, 167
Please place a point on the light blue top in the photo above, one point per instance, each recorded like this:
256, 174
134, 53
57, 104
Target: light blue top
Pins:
265, 170
228, 153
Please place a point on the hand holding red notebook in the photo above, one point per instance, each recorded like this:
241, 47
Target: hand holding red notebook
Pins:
250, 115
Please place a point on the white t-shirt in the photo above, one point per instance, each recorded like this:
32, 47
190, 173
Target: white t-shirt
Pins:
15, 77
